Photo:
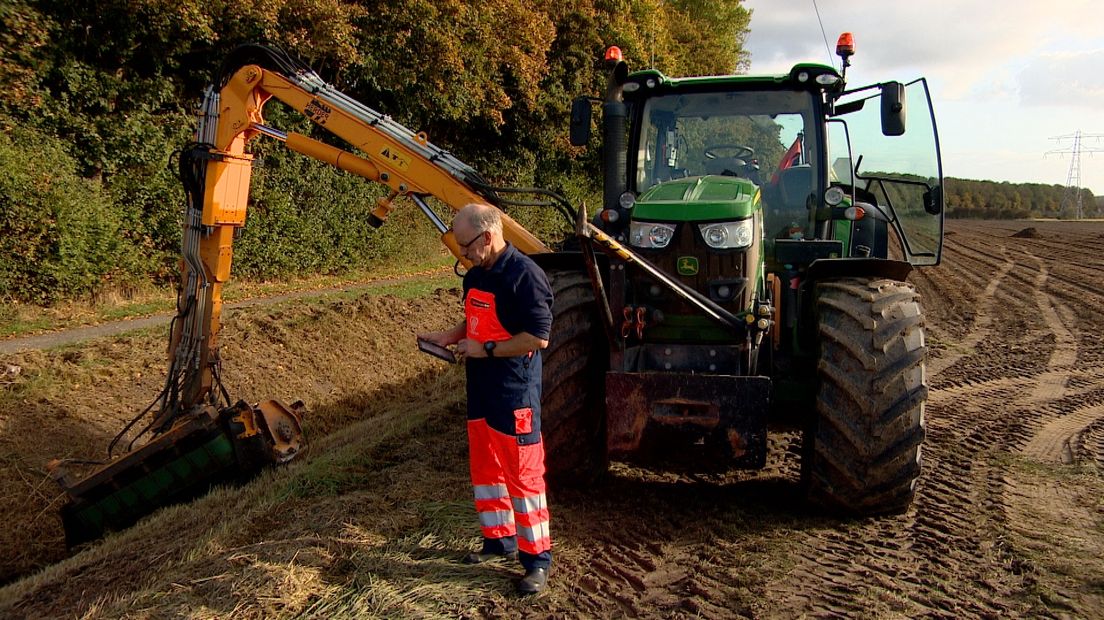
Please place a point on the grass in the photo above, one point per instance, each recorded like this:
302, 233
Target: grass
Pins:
410, 289
135, 309
1080, 474
324, 537
15, 323
17, 319
242, 290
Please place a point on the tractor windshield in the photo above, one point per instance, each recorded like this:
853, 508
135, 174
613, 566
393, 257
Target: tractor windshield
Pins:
759, 136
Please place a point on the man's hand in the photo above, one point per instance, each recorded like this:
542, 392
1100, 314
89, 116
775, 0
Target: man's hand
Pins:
469, 348
437, 338
445, 338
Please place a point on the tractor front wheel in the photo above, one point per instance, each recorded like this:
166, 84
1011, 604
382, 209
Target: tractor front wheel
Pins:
573, 402
863, 448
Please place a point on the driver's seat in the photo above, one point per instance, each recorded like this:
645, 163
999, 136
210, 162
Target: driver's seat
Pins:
730, 166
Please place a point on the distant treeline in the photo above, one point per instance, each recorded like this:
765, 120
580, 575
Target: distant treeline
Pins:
1006, 201
95, 96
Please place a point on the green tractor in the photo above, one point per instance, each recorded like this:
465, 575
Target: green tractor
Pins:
755, 239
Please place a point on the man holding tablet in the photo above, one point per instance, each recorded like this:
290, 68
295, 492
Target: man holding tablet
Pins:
507, 321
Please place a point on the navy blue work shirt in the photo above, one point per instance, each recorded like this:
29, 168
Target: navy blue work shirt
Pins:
498, 386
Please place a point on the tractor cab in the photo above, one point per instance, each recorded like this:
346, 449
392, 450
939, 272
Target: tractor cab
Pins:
805, 150
701, 128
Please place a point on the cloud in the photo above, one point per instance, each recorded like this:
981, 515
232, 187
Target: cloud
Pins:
968, 45
1063, 78
1006, 76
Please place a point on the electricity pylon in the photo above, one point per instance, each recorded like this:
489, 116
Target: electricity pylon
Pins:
1072, 196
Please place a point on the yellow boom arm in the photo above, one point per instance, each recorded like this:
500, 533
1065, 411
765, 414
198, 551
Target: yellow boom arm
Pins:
393, 155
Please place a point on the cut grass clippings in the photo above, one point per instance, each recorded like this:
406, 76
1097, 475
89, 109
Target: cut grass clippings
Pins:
374, 541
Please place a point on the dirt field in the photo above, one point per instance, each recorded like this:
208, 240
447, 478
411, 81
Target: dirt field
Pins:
1008, 521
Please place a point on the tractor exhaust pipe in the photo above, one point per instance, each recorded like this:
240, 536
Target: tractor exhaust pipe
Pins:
614, 116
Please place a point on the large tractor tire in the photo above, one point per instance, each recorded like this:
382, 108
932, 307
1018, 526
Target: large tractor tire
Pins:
573, 403
863, 448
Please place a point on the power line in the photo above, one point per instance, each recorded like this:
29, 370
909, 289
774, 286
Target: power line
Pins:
831, 61
1072, 197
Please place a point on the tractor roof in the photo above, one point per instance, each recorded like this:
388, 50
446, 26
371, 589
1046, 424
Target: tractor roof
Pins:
812, 76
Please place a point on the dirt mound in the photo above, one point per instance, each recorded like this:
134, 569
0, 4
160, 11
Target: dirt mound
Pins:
69, 403
1027, 233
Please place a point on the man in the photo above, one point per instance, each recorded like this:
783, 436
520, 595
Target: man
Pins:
507, 321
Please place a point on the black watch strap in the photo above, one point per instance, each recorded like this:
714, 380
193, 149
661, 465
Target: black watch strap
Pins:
489, 347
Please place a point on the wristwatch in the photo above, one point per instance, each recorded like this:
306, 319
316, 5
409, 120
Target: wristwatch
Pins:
489, 347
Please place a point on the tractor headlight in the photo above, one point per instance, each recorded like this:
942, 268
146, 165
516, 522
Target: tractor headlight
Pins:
650, 234
728, 235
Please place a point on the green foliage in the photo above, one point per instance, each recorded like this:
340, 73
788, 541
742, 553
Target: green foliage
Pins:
307, 217
992, 200
24, 31
58, 234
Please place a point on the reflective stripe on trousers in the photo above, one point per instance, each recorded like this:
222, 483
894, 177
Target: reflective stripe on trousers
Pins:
532, 522
508, 481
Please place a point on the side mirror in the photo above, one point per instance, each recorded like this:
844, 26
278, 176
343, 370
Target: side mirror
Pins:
580, 121
933, 200
893, 109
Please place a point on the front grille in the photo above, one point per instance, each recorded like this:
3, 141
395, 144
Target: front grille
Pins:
713, 265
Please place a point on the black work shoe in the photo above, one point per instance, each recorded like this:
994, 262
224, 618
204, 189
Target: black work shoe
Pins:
534, 581
478, 557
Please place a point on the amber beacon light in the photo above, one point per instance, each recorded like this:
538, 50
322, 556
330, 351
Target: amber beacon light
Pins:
845, 46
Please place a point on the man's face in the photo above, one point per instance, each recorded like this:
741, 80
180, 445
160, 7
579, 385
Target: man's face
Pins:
474, 245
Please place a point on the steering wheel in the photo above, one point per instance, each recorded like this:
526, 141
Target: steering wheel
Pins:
739, 151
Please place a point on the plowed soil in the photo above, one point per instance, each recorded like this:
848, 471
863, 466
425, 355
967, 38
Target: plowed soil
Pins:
1008, 520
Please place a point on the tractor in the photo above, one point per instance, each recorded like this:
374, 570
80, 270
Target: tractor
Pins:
748, 274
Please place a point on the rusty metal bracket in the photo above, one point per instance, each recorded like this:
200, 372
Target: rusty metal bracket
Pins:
282, 424
596, 281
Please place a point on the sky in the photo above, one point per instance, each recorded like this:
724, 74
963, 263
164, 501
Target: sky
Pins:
1006, 76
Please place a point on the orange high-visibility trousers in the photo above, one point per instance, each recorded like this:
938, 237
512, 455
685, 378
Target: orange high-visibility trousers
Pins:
508, 481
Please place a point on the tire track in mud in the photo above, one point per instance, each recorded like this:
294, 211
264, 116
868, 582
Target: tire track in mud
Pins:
949, 555
1069, 392
1088, 447
982, 322
668, 545
1054, 441
1052, 384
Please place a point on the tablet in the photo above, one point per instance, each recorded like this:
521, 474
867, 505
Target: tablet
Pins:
436, 350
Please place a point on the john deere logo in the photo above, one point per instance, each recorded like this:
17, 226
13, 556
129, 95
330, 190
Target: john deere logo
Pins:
687, 266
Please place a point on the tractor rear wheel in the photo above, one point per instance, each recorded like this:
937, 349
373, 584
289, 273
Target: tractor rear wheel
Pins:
573, 403
863, 449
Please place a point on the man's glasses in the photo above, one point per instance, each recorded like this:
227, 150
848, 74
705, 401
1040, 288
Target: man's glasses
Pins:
465, 245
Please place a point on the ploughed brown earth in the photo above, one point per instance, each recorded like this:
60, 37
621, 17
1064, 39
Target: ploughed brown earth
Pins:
1008, 520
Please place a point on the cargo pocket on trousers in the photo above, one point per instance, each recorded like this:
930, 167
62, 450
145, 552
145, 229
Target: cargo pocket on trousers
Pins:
523, 421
